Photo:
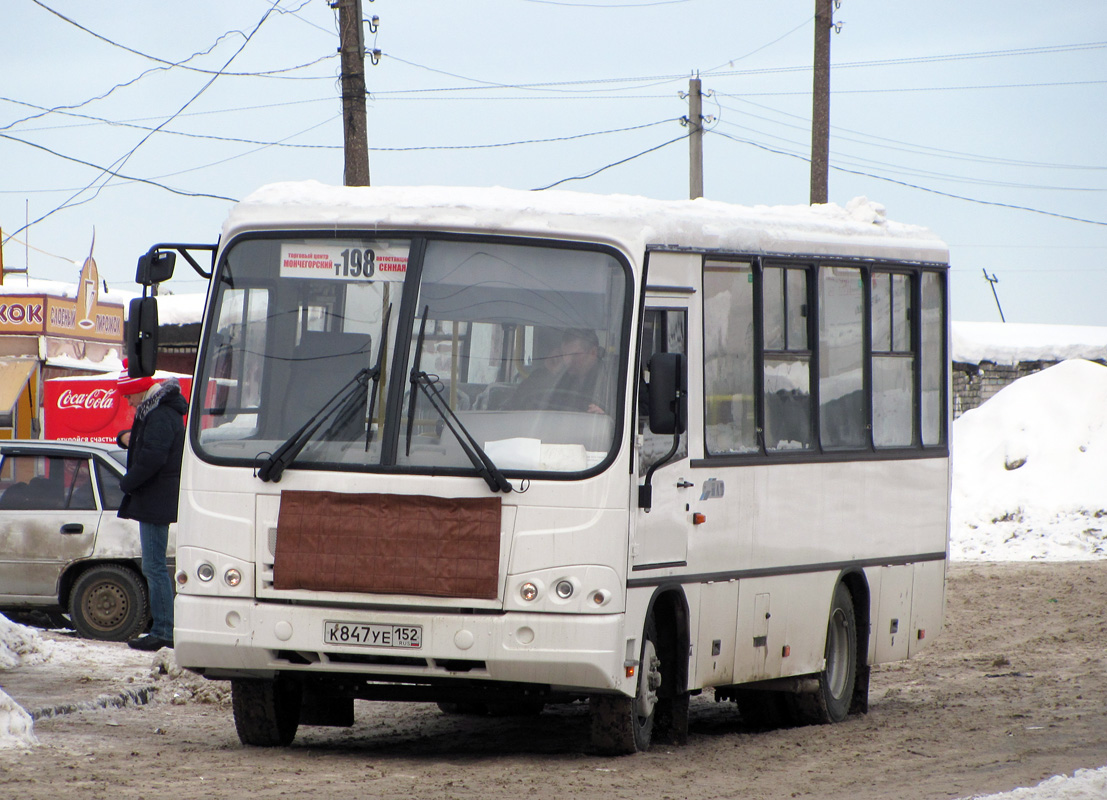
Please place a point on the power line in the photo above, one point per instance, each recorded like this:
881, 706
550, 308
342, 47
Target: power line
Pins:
909, 147
112, 171
527, 141
108, 170
613, 164
916, 186
182, 64
957, 177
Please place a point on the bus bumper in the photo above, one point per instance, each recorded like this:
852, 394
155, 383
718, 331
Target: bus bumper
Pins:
242, 638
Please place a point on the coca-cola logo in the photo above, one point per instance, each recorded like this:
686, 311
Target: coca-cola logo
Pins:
83, 410
95, 398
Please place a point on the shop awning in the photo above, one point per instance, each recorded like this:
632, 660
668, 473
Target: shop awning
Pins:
14, 374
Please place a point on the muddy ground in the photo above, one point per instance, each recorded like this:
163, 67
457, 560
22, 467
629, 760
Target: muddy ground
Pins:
1012, 692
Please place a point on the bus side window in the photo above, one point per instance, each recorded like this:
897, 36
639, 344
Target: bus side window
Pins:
893, 367
664, 330
843, 406
787, 357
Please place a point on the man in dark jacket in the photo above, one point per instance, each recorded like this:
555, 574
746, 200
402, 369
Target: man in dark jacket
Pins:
151, 487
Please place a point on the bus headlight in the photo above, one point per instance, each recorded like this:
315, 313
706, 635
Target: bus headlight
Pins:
528, 591
205, 572
564, 589
232, 577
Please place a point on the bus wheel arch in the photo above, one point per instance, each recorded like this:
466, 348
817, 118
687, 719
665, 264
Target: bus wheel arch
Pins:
843, 683
658, 711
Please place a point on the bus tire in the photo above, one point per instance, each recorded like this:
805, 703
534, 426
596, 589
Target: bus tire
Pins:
108, 602
624, 725
266, 712
831, 703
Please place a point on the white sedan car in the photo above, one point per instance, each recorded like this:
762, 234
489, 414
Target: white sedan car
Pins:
62, 547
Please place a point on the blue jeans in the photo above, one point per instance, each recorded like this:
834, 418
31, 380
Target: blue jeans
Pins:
155, 540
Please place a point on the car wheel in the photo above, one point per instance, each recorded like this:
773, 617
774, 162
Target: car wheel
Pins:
109, 602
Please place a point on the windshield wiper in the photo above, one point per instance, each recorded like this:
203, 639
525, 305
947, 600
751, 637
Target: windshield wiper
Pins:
277, 461
377, 377
484, 465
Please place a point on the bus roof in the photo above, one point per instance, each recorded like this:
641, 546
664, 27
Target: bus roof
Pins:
635, 224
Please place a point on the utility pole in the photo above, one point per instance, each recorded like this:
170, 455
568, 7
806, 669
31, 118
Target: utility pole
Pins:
993, 280
352, 48
820, 103
695, 139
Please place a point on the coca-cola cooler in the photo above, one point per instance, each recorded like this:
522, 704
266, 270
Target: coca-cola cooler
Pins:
90, 409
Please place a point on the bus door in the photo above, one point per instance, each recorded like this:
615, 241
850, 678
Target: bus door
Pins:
662, 531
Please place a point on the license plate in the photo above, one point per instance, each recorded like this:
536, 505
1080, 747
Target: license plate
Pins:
360, 634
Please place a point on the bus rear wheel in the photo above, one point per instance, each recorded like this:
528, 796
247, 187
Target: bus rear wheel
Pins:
266, 712
831, 702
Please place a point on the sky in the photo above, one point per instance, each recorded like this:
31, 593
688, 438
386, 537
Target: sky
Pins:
983, 121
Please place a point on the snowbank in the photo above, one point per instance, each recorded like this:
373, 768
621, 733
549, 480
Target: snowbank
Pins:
19, 646
1029, 467
1084, 784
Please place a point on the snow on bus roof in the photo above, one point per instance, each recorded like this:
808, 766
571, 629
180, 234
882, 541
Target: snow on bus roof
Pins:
859, 229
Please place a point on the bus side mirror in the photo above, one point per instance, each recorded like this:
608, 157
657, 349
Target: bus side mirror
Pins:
155, 267
668, 395
142, 337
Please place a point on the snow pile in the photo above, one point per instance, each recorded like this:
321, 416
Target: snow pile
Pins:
1084, 784
16, 725
19, 646
1029, 467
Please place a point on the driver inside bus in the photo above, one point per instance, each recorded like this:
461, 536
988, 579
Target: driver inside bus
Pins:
582, 385
570, 377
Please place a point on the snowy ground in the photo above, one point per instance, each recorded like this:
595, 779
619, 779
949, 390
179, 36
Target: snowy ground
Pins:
1028, 484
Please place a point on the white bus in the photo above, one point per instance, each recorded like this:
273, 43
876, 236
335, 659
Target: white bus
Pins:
498, 449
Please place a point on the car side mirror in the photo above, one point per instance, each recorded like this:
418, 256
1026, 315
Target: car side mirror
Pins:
668, 393
155, 267
142, 337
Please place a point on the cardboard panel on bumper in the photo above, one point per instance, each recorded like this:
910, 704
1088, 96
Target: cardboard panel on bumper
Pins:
388, 544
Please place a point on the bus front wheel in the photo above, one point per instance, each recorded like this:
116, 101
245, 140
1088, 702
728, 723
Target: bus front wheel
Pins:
266, 712
623, 725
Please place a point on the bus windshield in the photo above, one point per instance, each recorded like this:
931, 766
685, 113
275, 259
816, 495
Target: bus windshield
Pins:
336, 345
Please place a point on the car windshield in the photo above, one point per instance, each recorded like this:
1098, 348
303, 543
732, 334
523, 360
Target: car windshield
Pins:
322, 344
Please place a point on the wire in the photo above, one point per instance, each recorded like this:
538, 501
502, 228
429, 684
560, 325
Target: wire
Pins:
961, 178
806, 21
40, 250
526, 141
914, 186
132, 124
613, 164
910, 147
112, 171
547, 86
182, 64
